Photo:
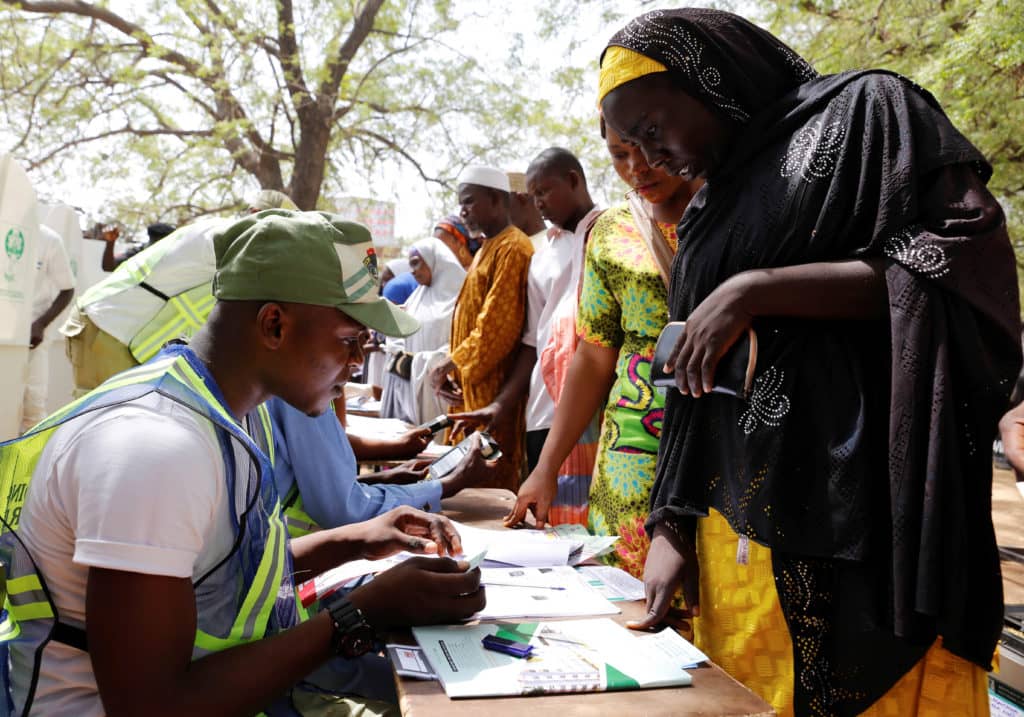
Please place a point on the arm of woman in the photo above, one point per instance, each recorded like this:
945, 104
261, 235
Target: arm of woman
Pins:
588, 382
851, 289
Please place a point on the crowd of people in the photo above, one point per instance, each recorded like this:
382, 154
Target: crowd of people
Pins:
826, 538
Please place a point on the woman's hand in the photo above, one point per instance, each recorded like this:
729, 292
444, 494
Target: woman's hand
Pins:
406, 528
535, 494
711, 329
671, 562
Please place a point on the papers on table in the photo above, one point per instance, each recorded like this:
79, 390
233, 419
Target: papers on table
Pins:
530, 548
568, 656
384, 428
591, 546
539, 592
675, 648
613, 583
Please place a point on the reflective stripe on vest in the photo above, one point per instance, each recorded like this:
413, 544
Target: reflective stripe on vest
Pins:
260, 565
181, 316
299, 522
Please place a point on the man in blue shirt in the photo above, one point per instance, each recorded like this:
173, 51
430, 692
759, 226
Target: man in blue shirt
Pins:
314, 454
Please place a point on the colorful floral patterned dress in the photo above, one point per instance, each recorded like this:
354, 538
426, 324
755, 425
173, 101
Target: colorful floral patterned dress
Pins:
624, 306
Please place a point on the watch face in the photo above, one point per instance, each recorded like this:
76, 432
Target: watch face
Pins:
358, 642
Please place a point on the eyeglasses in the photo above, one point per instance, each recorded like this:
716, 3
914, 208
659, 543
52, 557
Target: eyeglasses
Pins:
356, 343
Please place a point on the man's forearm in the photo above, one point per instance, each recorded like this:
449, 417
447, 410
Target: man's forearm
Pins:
517, 384
325, 549
58, 305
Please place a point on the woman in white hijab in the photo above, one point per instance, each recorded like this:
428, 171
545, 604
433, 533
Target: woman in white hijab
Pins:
407, 394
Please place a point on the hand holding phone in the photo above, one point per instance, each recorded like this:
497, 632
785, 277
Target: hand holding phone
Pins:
734, 374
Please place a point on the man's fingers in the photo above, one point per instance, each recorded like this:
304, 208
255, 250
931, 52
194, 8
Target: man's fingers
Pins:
518, 512
446, 535
540, 512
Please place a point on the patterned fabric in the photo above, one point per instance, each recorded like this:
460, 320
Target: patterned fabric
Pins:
486, 328
623, 306
742, 629
861, 461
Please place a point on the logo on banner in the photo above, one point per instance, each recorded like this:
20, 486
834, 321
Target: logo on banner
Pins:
14, 246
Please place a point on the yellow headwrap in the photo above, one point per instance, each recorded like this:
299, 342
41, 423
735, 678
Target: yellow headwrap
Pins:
621, 65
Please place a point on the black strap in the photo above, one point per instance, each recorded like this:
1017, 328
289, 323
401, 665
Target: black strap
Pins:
70, 635
154, 291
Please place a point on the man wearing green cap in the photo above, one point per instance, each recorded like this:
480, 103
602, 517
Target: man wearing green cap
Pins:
149, 538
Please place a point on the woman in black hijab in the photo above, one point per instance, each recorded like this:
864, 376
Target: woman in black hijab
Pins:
847, 221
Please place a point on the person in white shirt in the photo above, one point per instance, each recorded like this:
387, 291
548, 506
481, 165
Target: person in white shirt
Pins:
55, 285
558, 185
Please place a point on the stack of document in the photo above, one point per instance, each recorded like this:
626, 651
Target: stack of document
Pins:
567, 656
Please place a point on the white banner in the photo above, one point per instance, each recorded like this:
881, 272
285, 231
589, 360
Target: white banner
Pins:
378, 216
19, 229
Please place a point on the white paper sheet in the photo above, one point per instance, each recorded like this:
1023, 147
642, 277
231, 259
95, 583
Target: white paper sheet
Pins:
613, 583
539, 592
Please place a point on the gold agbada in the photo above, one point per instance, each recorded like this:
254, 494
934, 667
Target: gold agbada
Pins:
486, 329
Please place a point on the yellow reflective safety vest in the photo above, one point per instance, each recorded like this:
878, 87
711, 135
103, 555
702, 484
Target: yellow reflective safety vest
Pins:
259, 566
182, 313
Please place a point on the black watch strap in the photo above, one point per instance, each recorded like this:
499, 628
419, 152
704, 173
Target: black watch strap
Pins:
353, 636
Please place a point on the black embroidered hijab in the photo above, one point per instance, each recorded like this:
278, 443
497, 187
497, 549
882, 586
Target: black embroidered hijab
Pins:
863, 457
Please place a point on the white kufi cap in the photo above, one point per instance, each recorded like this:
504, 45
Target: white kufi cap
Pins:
485, 177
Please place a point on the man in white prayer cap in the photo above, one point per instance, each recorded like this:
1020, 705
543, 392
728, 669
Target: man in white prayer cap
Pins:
489, 315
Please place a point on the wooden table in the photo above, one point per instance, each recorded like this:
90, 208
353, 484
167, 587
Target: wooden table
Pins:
713, 693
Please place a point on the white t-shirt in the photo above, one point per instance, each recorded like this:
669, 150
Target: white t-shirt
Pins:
190, 261
53, 271
555, 271
137, 487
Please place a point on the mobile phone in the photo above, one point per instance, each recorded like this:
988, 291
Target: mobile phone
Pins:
436, 425
447, 462
509, 647
734, 374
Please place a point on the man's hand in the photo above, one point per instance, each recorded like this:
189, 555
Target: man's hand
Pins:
1011, 430
471, 470
110, 233
483, 418
412, 442
408, 472
671, 561
36, 334
444, 386
535, 494
406, 528
439, 374
421, 591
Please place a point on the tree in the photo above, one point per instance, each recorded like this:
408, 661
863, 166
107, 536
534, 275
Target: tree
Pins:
969, 54
206, 96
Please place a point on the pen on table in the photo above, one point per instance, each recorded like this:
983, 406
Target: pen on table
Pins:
522, 585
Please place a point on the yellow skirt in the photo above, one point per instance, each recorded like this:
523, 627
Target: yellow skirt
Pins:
742, 629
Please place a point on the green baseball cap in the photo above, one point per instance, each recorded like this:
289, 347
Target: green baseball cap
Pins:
305, 258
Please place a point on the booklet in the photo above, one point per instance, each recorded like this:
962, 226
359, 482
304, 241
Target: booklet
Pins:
566, 656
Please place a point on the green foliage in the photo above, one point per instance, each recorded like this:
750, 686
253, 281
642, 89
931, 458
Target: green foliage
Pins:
968, 53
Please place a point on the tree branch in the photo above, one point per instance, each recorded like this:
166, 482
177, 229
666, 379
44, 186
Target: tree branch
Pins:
338, 66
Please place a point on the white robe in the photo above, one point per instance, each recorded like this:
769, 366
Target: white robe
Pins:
413, 400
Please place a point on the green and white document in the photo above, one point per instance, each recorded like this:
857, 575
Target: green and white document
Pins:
592, 655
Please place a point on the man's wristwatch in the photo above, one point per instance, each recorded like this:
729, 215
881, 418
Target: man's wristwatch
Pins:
353, 636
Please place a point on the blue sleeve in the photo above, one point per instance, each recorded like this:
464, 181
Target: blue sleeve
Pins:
315, 454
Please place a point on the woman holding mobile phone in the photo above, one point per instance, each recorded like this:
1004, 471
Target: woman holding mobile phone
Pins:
839, 519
